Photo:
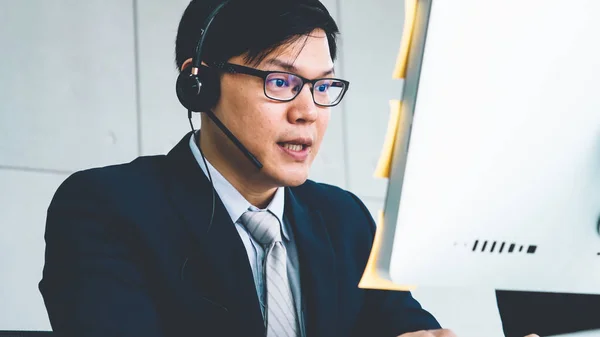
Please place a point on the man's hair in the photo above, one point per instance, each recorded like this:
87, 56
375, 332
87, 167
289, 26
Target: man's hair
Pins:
253, 28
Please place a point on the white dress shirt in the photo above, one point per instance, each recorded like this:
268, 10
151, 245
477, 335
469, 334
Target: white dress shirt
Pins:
236, 205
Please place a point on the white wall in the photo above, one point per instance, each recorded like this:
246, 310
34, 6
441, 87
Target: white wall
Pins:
90, 83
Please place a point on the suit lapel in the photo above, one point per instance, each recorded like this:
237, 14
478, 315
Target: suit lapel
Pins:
317, 268
217, 261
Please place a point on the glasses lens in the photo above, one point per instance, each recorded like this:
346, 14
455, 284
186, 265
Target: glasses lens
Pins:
282, 86
328, 92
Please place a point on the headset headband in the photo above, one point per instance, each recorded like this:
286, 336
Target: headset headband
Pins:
197, 61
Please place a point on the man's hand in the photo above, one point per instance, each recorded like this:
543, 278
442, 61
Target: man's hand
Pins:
431, 333
439, 333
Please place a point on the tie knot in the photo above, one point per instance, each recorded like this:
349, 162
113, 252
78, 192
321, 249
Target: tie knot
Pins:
263, 226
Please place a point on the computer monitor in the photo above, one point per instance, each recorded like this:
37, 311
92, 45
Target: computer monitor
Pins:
495, 180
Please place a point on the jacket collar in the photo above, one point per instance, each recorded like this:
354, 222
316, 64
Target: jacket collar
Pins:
215, 250
317, 266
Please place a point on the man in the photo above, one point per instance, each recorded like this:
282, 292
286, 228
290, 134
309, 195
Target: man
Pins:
148, 248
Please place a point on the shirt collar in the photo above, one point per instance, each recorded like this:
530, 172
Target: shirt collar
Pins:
232, 199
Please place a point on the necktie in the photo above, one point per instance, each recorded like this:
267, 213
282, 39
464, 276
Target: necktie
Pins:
281, 320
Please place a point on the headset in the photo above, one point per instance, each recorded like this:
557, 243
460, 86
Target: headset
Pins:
198, 87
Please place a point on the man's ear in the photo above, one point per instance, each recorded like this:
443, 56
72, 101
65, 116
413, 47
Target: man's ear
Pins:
189, 62
186, 63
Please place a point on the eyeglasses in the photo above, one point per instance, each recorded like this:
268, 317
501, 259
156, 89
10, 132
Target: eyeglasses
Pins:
284, 87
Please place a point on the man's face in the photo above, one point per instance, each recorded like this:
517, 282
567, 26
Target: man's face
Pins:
284, 136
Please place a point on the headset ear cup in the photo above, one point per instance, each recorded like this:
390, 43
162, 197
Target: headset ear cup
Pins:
211, 88
198, 93
188, 88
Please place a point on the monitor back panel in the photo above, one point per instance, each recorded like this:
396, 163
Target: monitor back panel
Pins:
500, 185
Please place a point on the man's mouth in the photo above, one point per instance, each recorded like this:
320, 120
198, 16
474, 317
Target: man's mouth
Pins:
298, 149
293, 147
296, 144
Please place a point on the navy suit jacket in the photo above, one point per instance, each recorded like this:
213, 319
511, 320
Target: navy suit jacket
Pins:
129, 253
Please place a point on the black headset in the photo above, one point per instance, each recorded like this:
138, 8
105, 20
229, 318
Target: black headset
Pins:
198, 86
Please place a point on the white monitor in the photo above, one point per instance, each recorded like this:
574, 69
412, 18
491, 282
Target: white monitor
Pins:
500, 185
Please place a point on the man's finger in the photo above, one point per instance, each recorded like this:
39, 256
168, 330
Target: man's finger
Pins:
430, 333
443, 333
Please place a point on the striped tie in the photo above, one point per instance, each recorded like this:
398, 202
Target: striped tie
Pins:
281, 320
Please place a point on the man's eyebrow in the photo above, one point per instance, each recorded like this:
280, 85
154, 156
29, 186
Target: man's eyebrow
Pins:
292, 68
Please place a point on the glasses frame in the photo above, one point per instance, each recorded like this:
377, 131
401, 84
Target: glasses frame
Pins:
231, 68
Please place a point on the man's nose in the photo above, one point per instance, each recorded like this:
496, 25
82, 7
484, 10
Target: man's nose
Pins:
304, 109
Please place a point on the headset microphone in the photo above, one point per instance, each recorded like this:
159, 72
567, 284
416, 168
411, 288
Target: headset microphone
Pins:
236, 141
198, 89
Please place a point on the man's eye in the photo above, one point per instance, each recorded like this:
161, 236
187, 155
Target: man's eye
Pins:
323, 87
278, 82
